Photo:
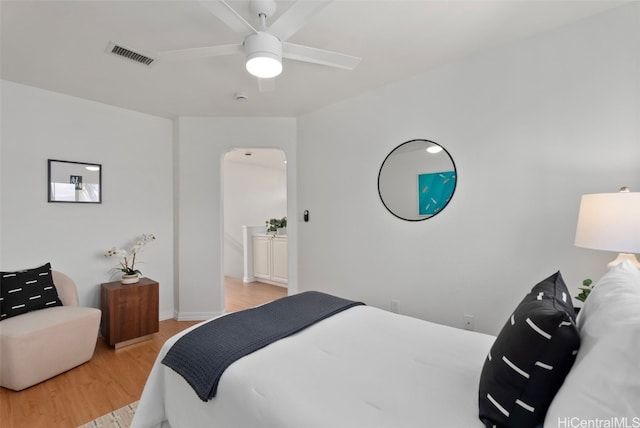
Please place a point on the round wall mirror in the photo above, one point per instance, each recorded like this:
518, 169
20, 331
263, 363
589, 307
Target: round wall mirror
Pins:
417, 180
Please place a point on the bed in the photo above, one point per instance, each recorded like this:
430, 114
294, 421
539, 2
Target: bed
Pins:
366, 367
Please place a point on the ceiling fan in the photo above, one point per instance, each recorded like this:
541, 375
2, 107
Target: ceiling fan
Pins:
265, 46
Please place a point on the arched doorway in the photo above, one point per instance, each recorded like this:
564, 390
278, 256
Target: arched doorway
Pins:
254, 191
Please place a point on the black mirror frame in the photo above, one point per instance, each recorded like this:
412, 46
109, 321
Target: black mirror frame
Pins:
452, 191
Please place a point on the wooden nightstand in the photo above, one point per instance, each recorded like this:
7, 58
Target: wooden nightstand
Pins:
130, 313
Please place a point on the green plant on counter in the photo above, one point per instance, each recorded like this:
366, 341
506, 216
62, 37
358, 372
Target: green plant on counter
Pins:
587, 287
274, 224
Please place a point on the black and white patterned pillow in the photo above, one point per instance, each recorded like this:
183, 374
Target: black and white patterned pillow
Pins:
27, 290
530, 358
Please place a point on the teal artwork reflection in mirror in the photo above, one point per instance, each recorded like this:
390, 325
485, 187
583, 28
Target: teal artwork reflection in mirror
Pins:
435, 191
417, 180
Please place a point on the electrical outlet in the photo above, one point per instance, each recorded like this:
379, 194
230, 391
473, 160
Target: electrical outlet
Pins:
395, 306
468, 322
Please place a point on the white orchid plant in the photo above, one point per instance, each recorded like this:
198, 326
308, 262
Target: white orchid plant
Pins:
128, 261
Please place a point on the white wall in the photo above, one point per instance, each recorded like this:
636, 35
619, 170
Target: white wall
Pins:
201, 145
252, 195
135, 152
140, 155
531, 127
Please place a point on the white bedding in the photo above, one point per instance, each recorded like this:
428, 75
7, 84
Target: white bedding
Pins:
364, 367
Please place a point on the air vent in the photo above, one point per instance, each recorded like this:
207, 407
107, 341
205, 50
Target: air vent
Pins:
128, 54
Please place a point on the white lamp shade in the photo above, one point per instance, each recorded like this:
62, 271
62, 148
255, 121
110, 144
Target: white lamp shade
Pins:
264, 55
610, 222
264, 66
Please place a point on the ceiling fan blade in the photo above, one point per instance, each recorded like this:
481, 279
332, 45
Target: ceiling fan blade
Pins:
229, 16
296, 17
266, 85
319, 56
202, 52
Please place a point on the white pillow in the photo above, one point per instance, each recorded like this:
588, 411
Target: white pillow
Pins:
604, 383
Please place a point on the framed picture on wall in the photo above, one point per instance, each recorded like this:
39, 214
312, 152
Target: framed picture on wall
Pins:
75, 182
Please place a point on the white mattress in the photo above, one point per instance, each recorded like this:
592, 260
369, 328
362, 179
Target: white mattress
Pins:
364, 367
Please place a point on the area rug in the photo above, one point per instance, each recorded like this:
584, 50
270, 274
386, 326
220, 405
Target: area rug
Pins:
120, 418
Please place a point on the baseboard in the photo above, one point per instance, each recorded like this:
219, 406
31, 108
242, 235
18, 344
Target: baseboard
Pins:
270, 282
166, 315
195, 316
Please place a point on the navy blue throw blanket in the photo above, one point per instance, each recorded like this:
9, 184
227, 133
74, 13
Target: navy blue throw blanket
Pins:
203, 354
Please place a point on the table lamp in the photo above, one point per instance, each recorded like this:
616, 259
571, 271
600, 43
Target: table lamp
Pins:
611, 222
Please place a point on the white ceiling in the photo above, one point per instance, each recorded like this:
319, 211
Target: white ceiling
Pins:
269, 158
60, 46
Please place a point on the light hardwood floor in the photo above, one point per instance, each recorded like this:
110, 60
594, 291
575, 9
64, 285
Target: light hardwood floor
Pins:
113, 378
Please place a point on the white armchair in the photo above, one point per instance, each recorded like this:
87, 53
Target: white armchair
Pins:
38, 345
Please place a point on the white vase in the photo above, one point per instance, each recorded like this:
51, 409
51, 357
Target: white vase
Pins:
130, 279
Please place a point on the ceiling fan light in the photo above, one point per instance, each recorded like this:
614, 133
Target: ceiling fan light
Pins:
264, 66
264, 55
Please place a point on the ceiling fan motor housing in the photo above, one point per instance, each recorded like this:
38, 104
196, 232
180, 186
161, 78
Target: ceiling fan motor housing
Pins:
264, 54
